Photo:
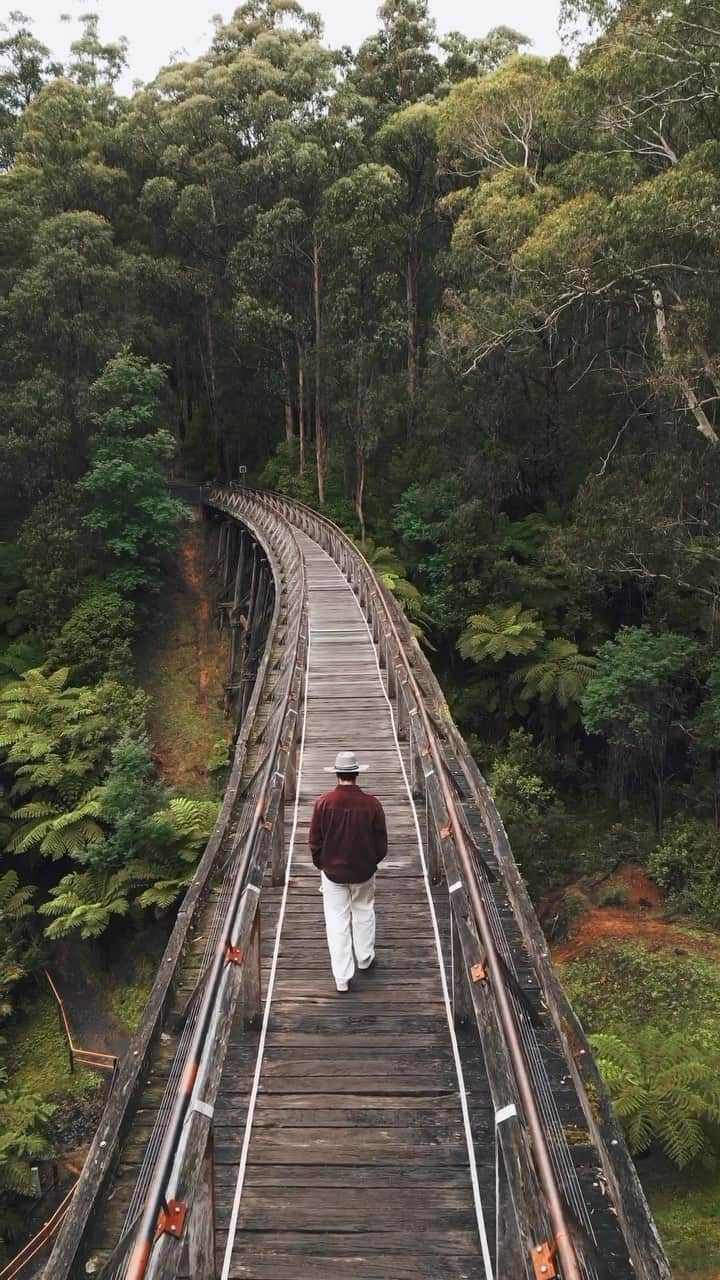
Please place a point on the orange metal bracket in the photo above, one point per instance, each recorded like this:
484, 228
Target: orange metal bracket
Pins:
543, 1256
478, 973
172, 1219
234, 955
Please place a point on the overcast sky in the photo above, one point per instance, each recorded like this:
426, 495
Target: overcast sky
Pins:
159, 29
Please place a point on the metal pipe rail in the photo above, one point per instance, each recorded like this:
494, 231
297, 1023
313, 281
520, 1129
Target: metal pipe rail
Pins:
493, 998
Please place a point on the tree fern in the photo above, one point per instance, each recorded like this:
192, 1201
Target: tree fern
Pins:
665, 1090
15, 900
23, 1117
85, 902
503, 631
181, 831
58, 834
559, 674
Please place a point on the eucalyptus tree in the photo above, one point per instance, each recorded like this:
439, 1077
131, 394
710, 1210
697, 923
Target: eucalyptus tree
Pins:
408, 142
398, 65
364, 290
25, 66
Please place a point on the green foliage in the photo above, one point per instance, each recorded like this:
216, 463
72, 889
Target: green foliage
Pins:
56, 739
281, 474
665, 1091
55, 562
559, 674
641, 687
23, 1117
620, 988
86, 902
16, 908
180, 833
533, 814
504, 631
686, 864
95, 640
127, 801
55, 832
615, 895
130, 509
220, 758
569, 913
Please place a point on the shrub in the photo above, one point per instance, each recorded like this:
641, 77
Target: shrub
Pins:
95, 640
570, 910
532, 812
613, 895
687, 866
666, 1091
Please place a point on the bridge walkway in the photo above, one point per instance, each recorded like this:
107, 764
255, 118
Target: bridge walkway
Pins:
351, 1157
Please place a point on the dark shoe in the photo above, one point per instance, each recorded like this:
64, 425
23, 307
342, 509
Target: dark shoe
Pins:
366, 968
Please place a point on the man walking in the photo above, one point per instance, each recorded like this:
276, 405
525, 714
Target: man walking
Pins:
348, 841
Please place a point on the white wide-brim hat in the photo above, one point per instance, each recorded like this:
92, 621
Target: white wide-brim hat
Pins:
346, 762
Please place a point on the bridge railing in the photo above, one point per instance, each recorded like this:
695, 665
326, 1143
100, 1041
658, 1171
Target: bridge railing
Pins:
182, 1176
232, 962
542, 1217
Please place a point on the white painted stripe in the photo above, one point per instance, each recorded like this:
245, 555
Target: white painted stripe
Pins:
454, 888
479, 1212
268, 999
203, 1108
505, 1113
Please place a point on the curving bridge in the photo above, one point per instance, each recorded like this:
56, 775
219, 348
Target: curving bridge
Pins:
444, 1121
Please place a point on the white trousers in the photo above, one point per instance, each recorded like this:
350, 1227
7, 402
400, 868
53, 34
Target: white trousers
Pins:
349, 921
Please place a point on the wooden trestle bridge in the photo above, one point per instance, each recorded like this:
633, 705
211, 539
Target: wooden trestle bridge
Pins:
443, 1121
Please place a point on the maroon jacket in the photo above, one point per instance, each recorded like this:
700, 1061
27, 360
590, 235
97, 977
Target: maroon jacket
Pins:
348, 837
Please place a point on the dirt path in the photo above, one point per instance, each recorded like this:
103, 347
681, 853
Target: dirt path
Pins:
181, 665
194, 577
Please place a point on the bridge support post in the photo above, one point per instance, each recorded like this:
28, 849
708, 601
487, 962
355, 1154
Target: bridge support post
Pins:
252, 976
460, 1002
201, 1221
235, 622
432, 845
291, 775
278, 844
510, 1261
401, 713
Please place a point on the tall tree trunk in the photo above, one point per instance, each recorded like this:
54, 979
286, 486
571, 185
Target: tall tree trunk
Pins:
211, 389
702, 421
360, 487
359, 449
301, 406
411, 289
181, 391
319, 425
289, 415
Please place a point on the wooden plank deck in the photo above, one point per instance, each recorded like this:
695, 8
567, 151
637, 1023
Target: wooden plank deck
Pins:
358, 1163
